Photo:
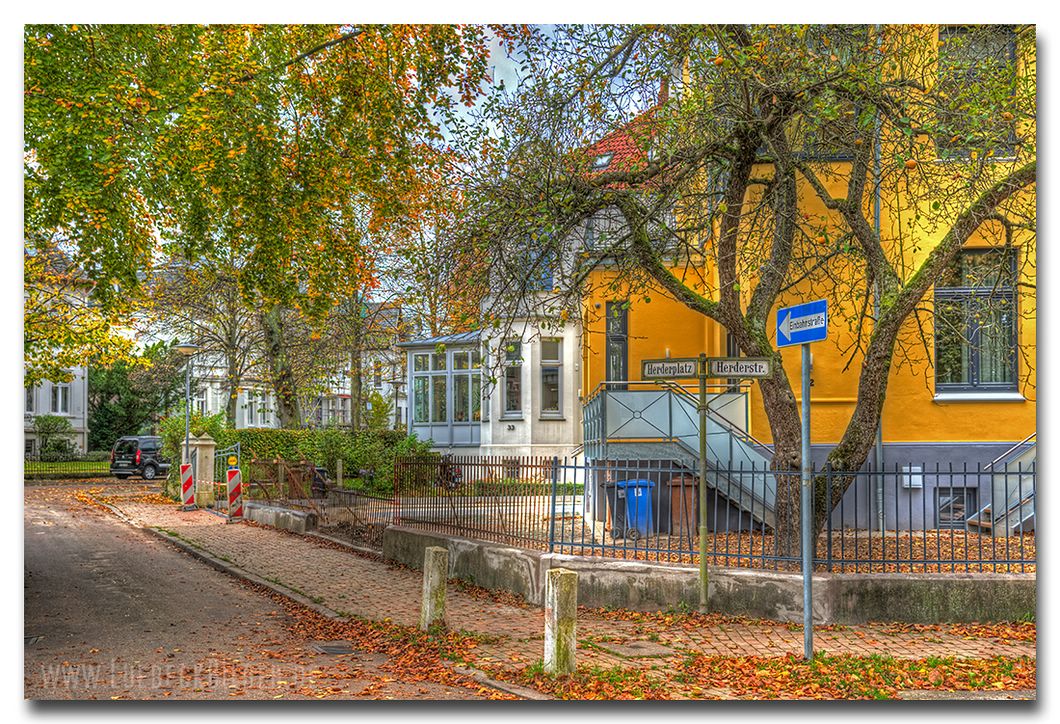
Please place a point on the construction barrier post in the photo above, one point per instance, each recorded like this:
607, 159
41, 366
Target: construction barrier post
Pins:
187, 487
235, 494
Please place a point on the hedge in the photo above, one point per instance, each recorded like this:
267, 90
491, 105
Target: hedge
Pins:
368, 450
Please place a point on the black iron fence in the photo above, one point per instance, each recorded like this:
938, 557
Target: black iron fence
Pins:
909, 518
357, 516
68, 464
507, 500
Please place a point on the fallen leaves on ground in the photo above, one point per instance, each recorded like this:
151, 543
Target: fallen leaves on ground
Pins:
137, 497
1004, 633
413, 655
854, 677
616, 683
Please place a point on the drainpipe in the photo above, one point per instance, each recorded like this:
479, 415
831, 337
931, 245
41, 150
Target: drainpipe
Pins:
877, 462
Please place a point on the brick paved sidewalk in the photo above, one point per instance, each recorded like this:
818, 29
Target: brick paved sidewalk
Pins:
348, 583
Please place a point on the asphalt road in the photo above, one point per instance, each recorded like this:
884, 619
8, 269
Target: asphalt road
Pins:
112, 612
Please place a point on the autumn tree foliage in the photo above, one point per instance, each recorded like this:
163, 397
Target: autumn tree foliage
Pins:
852, 161
203, 304
62, 327
278, 145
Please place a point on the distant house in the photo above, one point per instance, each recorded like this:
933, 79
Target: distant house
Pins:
64, 399
382, 371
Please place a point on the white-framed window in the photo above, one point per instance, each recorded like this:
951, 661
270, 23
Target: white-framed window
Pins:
31, 399
513, 378
199, 404
551, 377
467, 386
30, 447
61, 398
483, 385
252, 408
377, 374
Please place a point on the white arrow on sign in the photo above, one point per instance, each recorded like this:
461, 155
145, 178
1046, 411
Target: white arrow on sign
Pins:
785, 324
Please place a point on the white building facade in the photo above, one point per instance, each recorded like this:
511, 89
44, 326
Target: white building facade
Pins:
63, 399
514, 394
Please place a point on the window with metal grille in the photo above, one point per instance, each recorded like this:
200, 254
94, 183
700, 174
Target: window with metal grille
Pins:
975, 323
954, 505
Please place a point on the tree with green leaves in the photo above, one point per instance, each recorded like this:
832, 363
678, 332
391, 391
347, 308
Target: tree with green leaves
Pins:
130, 399
53, 434
278, 145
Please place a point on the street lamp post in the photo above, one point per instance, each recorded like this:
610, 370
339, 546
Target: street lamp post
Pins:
188, 350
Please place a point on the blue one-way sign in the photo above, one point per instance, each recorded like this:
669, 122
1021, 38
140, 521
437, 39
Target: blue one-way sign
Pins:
802, 323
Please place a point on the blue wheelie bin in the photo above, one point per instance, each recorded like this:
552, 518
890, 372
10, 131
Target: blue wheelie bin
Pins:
638, 507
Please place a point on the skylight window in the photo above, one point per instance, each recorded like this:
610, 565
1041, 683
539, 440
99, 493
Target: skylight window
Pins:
602, 161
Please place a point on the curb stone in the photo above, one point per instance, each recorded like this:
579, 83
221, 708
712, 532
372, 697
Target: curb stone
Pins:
344, 543
237, 572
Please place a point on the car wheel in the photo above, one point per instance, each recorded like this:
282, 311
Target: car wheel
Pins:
150, 472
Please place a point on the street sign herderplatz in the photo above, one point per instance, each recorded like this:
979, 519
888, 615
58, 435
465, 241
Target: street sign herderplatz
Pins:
802, 323
669, 368
739, 367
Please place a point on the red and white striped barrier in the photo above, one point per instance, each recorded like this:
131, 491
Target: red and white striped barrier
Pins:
187, 486
235, 494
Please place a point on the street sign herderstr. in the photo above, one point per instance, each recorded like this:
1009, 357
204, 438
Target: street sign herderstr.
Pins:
742, 367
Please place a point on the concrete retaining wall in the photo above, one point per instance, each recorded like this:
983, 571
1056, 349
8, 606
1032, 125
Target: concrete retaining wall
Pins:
838, 598
295, 521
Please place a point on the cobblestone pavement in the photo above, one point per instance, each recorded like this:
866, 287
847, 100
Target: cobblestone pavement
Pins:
113, 614
511, 634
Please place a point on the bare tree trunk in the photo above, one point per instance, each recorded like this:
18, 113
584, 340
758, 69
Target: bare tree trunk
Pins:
283, 381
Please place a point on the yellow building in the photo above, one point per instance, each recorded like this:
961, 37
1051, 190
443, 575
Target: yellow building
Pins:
962, 386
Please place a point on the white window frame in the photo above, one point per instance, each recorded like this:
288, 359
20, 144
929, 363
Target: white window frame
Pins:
552, 364
252, 412
61, 398
513, 365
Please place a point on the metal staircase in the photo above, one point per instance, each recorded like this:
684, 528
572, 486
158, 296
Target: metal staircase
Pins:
660, 421
1013, 476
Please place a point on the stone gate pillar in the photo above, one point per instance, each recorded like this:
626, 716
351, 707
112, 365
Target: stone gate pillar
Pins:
205, 447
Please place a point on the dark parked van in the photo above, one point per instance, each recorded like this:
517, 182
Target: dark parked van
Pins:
138, 455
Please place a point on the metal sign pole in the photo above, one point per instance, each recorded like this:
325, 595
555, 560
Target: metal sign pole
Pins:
702, 483
807, 511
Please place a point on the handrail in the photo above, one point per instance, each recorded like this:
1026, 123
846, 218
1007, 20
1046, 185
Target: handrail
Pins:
990, 465
718, 417
669, 385
605, 386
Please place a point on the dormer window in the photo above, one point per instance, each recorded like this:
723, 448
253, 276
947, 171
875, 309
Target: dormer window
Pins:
602, 161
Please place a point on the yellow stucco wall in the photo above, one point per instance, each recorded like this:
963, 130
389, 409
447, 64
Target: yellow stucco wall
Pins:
911, 412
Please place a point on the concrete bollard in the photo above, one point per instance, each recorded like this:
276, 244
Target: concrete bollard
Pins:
561, 615
435, 572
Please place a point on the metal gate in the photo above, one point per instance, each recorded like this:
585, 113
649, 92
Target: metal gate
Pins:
224, 460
